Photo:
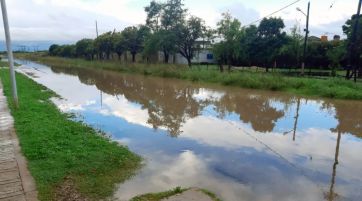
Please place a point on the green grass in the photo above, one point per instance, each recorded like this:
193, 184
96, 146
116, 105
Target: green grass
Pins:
59, 149
211, 195
4, 63
167, 194
336, 88
159, 196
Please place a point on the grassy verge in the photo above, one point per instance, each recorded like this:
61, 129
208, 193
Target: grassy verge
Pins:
65, 157
167, 194
337, 88
210, 194
159, 196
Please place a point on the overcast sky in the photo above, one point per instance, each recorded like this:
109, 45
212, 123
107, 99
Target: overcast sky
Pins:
71, 20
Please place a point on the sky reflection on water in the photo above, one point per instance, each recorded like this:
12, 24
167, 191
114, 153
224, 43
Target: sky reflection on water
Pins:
240, 144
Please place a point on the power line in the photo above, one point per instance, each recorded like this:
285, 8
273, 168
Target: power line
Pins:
281, 9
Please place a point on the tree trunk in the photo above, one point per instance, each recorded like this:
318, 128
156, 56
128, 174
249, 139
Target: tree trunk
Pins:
167, 57
133, 57
125, 57
221, 67
189, 62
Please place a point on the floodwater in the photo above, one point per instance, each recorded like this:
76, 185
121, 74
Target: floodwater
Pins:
241, 144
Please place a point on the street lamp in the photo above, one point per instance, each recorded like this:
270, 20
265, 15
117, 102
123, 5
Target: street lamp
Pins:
306, 37
10, 52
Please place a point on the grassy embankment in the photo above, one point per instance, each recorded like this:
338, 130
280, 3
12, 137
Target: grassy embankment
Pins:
329, 88
66, 158
167, 194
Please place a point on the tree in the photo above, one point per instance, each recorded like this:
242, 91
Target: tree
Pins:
187, 35
67, 51
85, 48
220, 54
229, 29
164, 19
356, 48
119, 44
270, 39
54, 50
290, 53
104, 45
336, 55
134, 38
154, 13
248, 44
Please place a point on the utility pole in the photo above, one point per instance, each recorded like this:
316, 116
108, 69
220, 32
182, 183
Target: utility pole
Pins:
305, 39
351, 61
10, 53
99, 90
97, 28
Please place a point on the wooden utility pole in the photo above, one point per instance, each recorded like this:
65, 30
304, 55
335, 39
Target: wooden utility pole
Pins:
305, 40
296, 119
97, 28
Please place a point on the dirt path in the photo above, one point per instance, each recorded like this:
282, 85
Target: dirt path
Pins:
16, 183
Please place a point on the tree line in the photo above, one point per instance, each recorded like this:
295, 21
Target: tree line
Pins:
170, 29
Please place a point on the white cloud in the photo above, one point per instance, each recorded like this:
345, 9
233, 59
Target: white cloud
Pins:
75, 19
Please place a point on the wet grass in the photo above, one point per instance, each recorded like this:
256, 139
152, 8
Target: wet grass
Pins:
211, 195
159, 196
336, 88
4, 64
59, 149
167, 194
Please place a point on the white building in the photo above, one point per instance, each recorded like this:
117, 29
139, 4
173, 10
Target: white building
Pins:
202, 56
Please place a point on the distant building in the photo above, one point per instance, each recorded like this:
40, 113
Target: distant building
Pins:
314, 39
336, 37
203, 54
324, 38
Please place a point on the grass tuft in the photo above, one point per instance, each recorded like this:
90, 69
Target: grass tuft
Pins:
159, 196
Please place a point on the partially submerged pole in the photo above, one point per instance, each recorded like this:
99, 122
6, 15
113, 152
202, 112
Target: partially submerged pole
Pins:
10, 53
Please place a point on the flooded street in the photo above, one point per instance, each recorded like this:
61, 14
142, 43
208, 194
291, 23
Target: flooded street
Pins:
241, 144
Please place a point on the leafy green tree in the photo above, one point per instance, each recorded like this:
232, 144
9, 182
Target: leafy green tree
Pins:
134, 38
67, 51
316, 56
229, 30
85, 48
119, 44
54, 50
220, 54
248, 44
154, 12
187, 35
163, 19
356, 56
290, 53
336, 55
104, 45
270, 39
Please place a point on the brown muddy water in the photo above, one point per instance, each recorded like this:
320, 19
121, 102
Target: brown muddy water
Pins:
241, 144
